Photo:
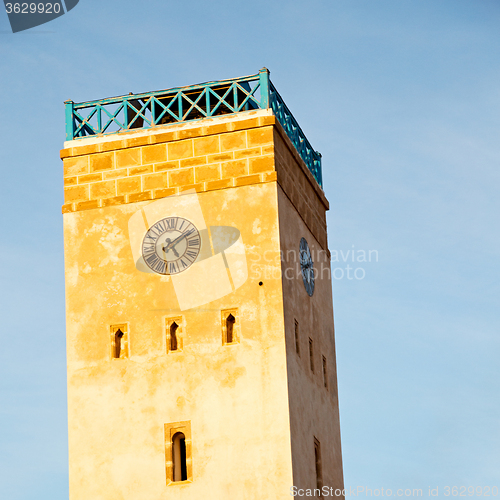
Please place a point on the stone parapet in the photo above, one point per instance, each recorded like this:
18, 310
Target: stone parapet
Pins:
215, 154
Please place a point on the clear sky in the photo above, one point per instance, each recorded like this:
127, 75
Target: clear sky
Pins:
402, 98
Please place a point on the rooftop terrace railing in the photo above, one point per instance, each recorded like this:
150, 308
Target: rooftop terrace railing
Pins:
183, 104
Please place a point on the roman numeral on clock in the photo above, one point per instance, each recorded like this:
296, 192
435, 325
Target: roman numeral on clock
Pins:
148, 249
171, 223
159, 227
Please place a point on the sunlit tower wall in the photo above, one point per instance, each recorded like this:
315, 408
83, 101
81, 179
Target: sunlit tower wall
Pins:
200, 335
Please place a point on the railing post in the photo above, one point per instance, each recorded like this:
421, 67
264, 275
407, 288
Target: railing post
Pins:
70, 120
319, 170
264, 88
125, 113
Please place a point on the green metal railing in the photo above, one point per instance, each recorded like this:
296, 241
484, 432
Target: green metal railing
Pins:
183, 104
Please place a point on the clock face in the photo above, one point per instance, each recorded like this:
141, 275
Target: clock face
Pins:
307, 267
171, 245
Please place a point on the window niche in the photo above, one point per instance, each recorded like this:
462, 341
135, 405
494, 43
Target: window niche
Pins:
325, 374
319, 468
178, 460
174, 334
311, 355
230, 327
119, 341
296, 333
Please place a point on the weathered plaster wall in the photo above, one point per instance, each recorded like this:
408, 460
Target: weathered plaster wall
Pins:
235, 396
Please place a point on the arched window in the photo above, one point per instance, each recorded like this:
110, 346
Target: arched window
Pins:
118, 343
230, 326
173, 336
325, 374
311, 355
178, 452
230, 321
179, 471
317, 459
297, 344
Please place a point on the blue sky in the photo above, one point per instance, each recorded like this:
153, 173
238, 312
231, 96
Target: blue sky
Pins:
402, 98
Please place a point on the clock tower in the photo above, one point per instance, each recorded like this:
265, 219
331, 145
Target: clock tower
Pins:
200, 336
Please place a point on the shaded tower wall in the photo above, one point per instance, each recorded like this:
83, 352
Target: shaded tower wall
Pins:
312, 372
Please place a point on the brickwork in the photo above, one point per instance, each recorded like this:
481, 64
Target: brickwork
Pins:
209, 157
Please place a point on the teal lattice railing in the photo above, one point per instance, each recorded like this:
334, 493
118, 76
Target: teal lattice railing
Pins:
183, 104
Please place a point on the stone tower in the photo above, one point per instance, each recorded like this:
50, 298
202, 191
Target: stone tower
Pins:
200, 336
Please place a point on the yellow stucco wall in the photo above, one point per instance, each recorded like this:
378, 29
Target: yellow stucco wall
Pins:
235, 397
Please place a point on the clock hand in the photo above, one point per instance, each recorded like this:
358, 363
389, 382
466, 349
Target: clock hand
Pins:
172, 244
167, 248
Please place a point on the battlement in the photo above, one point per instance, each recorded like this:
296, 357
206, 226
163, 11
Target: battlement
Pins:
163, 108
